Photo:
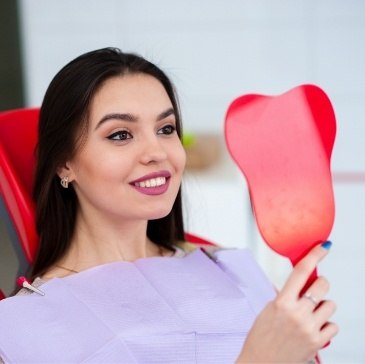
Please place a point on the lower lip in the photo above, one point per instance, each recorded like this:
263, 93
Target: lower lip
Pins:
153, 191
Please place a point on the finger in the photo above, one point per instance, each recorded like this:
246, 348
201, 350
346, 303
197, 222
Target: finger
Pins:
323, 312
304, 268
328, 331
315, 293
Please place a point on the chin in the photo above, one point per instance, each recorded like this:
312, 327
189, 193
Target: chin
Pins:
155, 215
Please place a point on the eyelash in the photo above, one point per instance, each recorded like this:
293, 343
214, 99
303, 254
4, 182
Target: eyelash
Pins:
122, 135
167, 130
117, 135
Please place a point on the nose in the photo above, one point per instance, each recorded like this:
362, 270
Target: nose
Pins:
153, 151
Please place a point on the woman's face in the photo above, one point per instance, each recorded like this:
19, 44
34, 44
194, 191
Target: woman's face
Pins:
131, 163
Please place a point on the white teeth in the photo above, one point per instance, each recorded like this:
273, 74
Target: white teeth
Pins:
153, 182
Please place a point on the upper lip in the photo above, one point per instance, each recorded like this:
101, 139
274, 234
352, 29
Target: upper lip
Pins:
165, 174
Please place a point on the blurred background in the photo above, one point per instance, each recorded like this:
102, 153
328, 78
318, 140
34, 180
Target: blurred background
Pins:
215, 51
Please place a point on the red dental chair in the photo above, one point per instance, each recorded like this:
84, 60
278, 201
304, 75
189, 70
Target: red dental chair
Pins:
18, 138
18, 135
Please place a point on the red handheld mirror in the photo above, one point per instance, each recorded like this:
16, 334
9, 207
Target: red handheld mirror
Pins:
283, 145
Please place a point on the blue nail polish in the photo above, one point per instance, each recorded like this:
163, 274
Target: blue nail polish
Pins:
327, 245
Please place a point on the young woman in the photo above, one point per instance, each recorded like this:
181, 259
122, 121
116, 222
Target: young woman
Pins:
119, 283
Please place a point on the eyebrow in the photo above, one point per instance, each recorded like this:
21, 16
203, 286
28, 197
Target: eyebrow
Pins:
133, 118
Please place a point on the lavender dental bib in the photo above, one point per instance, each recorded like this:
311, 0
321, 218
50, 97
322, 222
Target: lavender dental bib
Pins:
154, 310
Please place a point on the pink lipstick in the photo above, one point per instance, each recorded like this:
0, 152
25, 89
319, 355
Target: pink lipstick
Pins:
155, 183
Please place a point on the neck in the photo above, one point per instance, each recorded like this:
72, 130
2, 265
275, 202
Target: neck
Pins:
105, 242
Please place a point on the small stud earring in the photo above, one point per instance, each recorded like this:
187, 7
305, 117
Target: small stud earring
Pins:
64, 182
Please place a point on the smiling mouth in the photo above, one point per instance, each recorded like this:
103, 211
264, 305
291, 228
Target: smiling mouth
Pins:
152, 182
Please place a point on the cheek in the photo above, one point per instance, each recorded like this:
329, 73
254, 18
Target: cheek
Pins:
180, 157
96, 166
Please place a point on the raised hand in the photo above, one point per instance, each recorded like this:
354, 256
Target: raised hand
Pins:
294, 326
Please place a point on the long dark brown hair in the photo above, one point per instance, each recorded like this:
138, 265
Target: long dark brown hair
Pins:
63, 118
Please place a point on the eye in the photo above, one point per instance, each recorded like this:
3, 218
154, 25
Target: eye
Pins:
167, 130
120, 135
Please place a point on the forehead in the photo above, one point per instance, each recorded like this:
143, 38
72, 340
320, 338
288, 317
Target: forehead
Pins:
139, 95
133, 93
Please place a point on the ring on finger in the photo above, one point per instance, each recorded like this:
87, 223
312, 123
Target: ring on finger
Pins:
311, 298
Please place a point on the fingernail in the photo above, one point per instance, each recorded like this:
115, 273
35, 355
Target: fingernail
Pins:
327, 245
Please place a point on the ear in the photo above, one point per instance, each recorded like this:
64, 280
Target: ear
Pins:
66, 170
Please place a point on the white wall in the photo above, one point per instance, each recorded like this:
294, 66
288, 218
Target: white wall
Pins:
216, 50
